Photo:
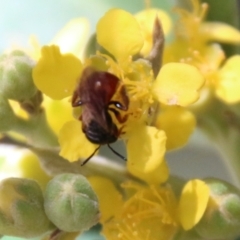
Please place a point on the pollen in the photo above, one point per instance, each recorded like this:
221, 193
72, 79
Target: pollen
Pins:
148, 214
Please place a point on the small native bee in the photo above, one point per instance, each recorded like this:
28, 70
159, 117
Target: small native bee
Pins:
94, 93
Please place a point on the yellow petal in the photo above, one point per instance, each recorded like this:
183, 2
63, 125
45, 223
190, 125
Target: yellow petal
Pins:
73, 142
228, 87
146, 21
58, 112
178, 124
18, 110
107, 195
30, 168
56, 74
156, 176
220, 32
193, 203
73, 36
120, 34
146, 149
178, 84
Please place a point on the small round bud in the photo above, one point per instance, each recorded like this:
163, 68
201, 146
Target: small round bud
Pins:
7, 117
70, 203
16, 76
221, 219
21, 209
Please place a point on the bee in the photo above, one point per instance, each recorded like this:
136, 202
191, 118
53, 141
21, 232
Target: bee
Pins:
94, 94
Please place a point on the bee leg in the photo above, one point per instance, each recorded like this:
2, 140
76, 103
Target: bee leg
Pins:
118, 115
86, 160
118, 154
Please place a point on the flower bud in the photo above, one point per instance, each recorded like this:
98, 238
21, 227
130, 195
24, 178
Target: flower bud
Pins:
221, 219
7, 117
21, 209
70, 203
16, 81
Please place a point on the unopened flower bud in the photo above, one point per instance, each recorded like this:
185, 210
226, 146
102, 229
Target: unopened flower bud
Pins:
16, 81
221, 219
21, 209
70, 203
7, 117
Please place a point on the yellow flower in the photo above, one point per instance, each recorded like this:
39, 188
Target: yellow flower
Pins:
178, 123
228, 81
57, 74
149, 212
72, 39
176, 84
58, 113
22, 164
30, 168
73, 142
123, 25
193, 202
146, 20
195, 43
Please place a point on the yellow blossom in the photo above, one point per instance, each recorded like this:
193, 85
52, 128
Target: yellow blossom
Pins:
147, 164
178, 123
56, 74
176, 84
57, 113
107, 194
74, 144
193, 203
195, 43
30, 168
146, 20
148, 212
221, 32
123, 25
228, 84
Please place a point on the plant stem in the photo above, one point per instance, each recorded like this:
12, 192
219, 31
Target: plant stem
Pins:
221, 123
37, 131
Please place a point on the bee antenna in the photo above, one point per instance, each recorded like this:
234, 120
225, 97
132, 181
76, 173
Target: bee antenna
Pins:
86, 160
118, 154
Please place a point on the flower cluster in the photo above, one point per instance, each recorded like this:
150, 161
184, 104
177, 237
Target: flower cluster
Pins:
153, 99
136, 87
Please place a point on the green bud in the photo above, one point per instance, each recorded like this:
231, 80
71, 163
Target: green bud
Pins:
7, 116
221, 219
21, 209
16, 76
70, 203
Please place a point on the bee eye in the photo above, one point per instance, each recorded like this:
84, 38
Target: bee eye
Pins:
118, 105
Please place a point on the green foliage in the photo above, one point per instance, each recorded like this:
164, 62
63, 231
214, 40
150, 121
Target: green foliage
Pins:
21, 209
